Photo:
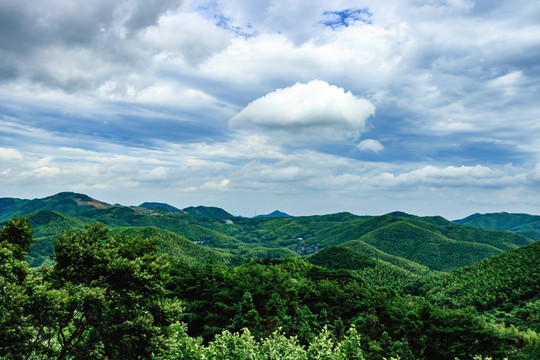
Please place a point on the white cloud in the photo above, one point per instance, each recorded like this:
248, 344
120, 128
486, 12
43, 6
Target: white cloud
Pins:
216, 185
370, 145
9, 154
464, 176
315, 109
94, 98
156, 174
185, 36
508, 79
43, 172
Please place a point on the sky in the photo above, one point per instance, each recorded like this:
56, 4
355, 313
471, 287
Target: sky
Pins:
431, 107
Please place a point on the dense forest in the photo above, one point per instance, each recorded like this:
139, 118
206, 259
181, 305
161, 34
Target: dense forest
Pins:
80, 279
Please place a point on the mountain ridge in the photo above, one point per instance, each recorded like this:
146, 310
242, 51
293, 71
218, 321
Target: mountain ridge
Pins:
427, 241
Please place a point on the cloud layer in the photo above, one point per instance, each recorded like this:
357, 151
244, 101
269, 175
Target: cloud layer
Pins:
254, 106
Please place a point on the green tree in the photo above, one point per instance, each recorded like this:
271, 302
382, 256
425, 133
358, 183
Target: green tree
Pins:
17, 235
106, 296
16, 283
247, 315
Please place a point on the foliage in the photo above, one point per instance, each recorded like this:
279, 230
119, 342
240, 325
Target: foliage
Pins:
103, 298
304, 301
15, 287
506, 286
369, 290
441, 244
177, 247
243, 345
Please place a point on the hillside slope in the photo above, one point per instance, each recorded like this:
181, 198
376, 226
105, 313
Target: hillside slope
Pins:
69, 203
176, 246
426, 247
507, 285
524, 224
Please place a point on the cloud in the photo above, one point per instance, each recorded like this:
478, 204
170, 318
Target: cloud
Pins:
370, 145
216, 185
136, 98
187, 36
461, 176
9, 155
43, 172
315, 109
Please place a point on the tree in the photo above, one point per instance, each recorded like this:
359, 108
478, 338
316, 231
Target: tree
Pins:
16, 282
17, 234
107, 297
247, 315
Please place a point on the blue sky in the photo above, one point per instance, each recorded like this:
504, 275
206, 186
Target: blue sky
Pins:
311, 107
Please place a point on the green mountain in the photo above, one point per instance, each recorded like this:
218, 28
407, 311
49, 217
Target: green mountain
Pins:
208, 211
374, 253
69, 203
274, 214
176, 246
376, 272
152, 205
507, 286
427, 247
47, 225
408, 287
524, 224
406, 241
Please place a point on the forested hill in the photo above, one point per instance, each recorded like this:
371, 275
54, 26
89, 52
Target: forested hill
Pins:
525, 224
431, 242
506, 286
113, 294
155, 282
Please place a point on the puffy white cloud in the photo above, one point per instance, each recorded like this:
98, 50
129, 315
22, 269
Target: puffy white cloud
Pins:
315, 109
370, 145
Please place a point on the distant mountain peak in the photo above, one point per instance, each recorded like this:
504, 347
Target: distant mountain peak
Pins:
274, 214
210, 211
398, 214
148, 205
80, 199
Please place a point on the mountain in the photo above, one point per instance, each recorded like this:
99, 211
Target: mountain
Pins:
69, 203
274, 214
402, 240
177, 247
376, 272
153, 205
373, 274
506, 285
47, 225
427, 247
524, 224
208, 211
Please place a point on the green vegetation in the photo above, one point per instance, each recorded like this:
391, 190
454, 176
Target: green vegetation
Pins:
524, 224
104, 298
505, 287
208, 212
431, 242
152, 283
177, 247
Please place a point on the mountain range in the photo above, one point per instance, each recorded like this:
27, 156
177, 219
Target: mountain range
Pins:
443, 287
401, 239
